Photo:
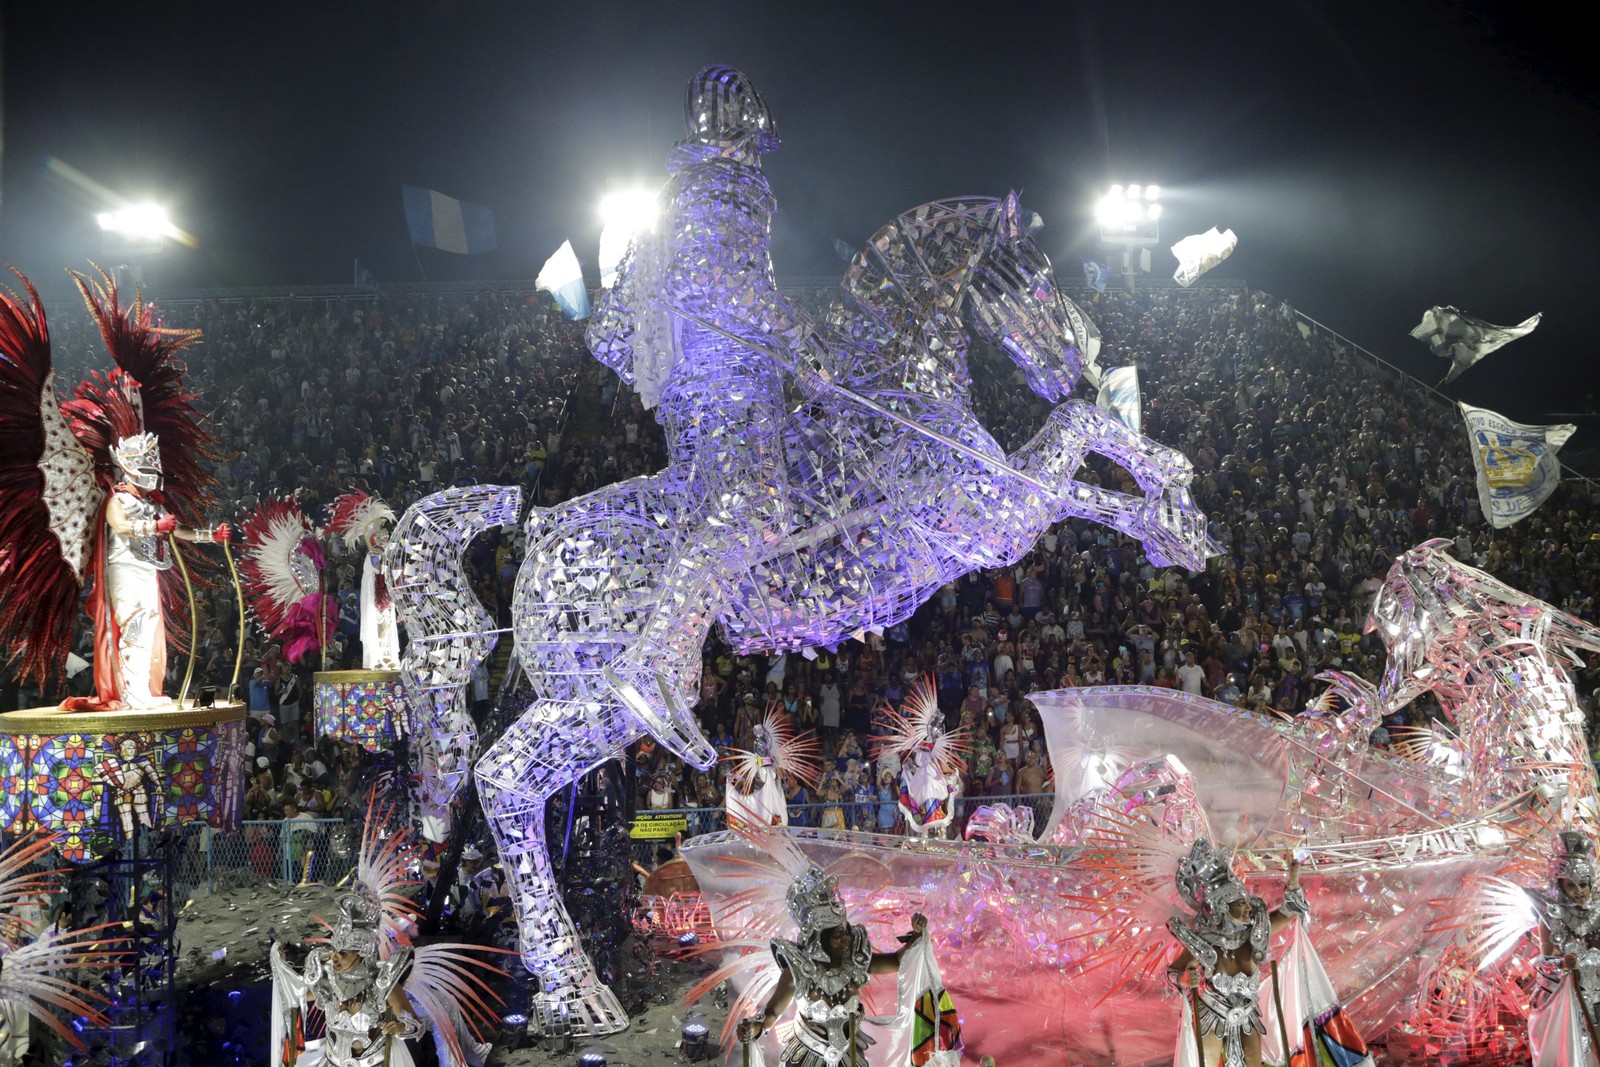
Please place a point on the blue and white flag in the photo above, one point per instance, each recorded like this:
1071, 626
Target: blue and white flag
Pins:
1517, 465
1095, 275
445, 223
1464, 340
1119, 396
1199, 252
562, 277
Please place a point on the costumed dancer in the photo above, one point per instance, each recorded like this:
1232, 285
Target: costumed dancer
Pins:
820, 971
281, 566
931, 758
364, 521
32, 982
1566, 1002
758, 781
1225, 944
91, 493
375, 990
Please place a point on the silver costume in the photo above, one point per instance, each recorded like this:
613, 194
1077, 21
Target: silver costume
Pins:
827, 996
1573, 929
355, 1003
1229, 1004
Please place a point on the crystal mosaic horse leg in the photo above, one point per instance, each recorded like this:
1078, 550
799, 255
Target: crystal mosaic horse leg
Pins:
586, 586
554, 743
449, 632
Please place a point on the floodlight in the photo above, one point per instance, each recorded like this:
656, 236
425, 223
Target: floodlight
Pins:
631, 210
1152, 192
138, 220
1135, 191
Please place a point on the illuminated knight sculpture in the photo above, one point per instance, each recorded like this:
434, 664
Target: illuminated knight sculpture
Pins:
92, 490
790, 529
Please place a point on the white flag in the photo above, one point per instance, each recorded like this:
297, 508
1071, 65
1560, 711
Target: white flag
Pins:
1517, 465
1200, 252
1119, 396
1464, 340
562, 277
1088, 337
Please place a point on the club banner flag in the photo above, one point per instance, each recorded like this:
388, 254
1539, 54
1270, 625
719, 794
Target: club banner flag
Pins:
1464, 340
1200, 252
925, 1030
1119, 396
1088, 338
445, 223
1095, 275
562, 277
1517, 465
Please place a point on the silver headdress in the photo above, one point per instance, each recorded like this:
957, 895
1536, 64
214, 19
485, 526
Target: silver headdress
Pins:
814, 904
139, 458
357, 927
1574, 860
721, 105
1206, 880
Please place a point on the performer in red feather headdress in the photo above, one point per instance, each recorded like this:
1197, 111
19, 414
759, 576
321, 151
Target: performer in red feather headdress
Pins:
94, 493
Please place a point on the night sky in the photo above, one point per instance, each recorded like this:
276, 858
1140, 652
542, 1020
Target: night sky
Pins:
1373, 159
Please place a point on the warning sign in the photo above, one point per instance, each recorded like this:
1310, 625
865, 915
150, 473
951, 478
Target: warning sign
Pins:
653, 827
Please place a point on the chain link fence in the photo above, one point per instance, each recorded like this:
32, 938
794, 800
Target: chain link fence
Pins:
285, 851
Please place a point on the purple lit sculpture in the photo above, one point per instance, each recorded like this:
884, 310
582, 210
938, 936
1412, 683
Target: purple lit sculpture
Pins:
792, 528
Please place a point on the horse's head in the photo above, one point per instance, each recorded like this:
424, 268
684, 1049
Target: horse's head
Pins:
1013, 303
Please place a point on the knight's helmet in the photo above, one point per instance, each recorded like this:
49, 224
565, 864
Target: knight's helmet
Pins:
138, 457
722, 105
1574, 861
1206, 880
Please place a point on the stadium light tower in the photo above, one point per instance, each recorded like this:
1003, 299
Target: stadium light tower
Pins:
134, 232
1130, 218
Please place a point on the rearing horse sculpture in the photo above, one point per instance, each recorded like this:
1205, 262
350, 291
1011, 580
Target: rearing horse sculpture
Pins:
893, 488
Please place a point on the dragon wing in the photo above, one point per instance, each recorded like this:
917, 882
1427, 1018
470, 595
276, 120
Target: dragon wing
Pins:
49, 497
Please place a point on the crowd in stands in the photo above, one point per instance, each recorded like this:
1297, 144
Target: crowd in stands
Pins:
1314, 467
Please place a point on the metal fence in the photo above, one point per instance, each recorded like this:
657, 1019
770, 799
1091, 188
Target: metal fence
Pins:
285, 851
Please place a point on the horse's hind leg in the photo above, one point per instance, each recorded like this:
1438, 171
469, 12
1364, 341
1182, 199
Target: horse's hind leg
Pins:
552, 745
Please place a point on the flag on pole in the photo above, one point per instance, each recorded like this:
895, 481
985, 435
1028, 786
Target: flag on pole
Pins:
445, 223
1319, 1031
1200, 252
562, 277
1095, 275
1119, 396
1517, 465
1464, 340
1088, 338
